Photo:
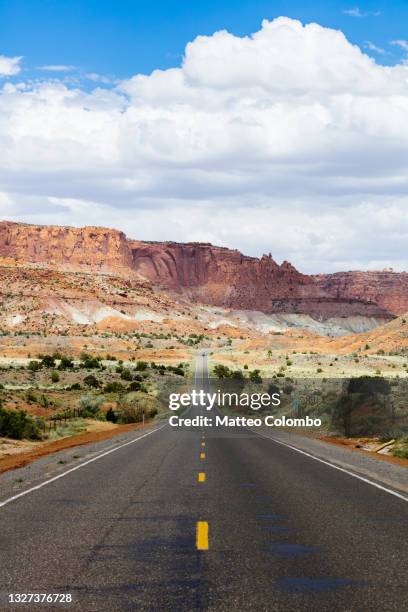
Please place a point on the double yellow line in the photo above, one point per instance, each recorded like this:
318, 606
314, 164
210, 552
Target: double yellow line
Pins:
202, 526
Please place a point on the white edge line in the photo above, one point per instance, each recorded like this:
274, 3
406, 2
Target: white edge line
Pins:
335, 467
77, 467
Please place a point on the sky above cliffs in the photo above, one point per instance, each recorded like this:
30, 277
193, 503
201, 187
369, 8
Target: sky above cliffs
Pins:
220, 122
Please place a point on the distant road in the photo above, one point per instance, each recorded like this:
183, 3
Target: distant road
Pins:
220, 519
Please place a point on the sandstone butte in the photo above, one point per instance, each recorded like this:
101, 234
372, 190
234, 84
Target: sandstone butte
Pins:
205, 273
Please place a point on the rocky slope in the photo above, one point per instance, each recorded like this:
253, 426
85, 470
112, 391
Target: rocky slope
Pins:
386, 288
207, 274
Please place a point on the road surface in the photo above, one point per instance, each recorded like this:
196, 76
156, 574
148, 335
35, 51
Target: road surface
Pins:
206, 519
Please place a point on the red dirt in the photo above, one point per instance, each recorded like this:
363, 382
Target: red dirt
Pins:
350, 445
48, 448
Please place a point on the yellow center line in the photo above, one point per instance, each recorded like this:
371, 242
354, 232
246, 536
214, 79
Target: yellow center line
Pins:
201, 476
202, 443
202, 455
202, 535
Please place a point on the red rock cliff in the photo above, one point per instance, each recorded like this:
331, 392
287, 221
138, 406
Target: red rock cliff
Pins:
208, 274
386, 288
225, 277
87, 248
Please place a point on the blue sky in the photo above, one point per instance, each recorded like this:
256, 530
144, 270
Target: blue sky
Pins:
123, 37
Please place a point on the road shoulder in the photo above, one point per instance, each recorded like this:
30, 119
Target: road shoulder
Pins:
368, 466
14, 481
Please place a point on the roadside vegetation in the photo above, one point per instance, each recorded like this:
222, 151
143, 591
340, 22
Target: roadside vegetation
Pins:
19, 425
55, 395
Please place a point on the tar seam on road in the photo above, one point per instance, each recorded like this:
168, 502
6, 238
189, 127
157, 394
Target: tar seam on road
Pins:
336, 467
202, 535
77, 467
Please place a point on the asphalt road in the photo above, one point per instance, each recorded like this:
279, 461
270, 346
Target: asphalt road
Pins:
206, 519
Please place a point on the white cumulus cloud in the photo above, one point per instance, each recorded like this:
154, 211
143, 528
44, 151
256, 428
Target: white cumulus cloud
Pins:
291, 140
9, 65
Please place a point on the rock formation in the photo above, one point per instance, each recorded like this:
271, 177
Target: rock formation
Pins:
208, 274
71, 248
386, 288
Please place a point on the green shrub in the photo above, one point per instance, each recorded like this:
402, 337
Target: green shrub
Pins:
141, 365
401, 451
363, 407
237, 375
126, 374
222, 371
176, 370
135, 386
131, 414
55, 377
133, 405
48, 361
113, 387
91, 381
66, 363
18, 425
254, 376
90, 405
90, 364
34, 366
